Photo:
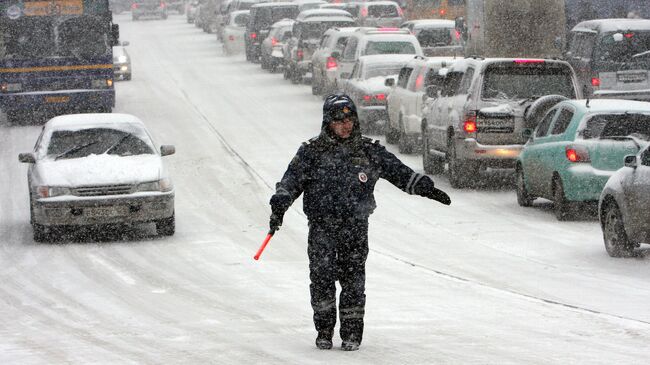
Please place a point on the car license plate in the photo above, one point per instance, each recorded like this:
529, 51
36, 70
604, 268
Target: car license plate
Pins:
98, 212
57, 99
637, 77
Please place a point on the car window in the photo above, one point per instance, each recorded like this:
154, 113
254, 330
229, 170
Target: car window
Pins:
607, 126
403, 77
340, 43
466, 81
241, 20
586, 46
350, 49
452, 82
81, 143
612, 49
563, 121
382, 11
323, 41
435, 37
433, 78
645, 157
355, 71
381, 70
389, 47
526, 82
542, 128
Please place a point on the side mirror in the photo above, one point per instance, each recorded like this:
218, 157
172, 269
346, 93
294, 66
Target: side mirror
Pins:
167, 149
115, 35
630, 161
125, 43
527, 133
390, 82
26, 158
336, 55
345, 75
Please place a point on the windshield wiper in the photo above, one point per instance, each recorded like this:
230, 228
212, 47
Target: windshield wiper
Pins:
73, 150
119, 142
642, 54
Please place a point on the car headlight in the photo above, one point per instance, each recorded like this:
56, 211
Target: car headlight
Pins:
122, 59
52, 191
161, 185
102, 83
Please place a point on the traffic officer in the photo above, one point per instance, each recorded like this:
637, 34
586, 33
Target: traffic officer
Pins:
337, 172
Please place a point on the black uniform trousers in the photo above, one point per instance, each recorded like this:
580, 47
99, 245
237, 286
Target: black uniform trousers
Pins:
337, 251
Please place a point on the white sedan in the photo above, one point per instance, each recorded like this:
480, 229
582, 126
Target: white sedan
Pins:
89, 169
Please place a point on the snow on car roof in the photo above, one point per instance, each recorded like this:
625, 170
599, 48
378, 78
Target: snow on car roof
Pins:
267, 5
329, 19
610, 105
613, 25
386, 58
237, 12
84, 121
322, 12
371, 3
283, 23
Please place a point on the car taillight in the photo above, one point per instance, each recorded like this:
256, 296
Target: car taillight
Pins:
443, 12
253, 35
331, 63
595, 81
457, 35
274, 41
231, 38
43, 191
299, 54
364, 12
469, 125
380, 97
526, 61
377, 99
162, 5
134, 6
577, 154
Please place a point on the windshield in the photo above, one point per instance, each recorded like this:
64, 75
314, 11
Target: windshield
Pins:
389, 48
434, 37
617, 125
527, 82
381, 70
97, 141
621, 47
42, 37
382, 11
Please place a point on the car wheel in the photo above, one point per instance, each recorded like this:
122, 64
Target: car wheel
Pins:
459, 171
166, 226
561, 206
134, 18
40, 233
285, 72
295, 75
523, 197
263, 63
433, 165
403, 145
616, 241
316, 85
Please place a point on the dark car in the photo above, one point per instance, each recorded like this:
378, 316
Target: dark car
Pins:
262, 16
145, 8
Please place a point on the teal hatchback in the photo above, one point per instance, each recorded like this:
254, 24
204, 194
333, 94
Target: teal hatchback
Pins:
576, 147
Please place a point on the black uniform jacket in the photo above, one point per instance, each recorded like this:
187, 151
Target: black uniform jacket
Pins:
338, 177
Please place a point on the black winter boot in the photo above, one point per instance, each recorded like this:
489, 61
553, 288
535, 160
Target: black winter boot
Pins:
324, 340
351, 344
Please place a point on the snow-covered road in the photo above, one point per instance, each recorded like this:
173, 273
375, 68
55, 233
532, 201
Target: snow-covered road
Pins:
481, 282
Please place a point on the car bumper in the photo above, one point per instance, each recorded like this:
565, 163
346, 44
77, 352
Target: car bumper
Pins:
641, 95
582, 182
376, 115
503, 156
133, 208
57, 100
121, 70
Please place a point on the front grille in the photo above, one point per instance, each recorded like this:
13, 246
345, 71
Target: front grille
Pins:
104, 190
60, 84
496, 125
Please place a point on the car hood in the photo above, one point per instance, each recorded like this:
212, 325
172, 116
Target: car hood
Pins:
100, 170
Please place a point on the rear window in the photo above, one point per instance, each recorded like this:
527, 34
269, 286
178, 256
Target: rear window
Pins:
382, 11
617, 125
389, 48
434, 37
284, 12
241, 20
520, 82
381, 70
621, 47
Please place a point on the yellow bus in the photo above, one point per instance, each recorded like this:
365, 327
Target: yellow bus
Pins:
435, 9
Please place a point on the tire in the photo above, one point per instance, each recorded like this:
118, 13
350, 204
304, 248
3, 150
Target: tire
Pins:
459, 171
392, 135
134, 18
166, 226
263, 63
615, 238
285, 72
296, 77
433, 165
316, 87
403, 144
561, 207
40, 233
523, 197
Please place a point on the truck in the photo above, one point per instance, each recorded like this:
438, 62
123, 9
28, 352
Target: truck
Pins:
513, 28
56, 57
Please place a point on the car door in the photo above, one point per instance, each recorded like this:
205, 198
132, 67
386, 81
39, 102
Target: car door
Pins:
412, 99
638, 194
438, 126
347, 59
400, 87
532, 154
350, 85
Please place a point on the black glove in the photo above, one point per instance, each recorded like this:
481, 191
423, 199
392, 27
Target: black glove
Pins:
279, 205
426, 188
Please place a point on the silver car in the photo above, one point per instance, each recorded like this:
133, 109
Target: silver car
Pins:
380, 14
89, 169
623, 206
121, 62
233, 31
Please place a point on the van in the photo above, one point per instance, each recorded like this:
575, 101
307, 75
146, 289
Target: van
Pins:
262, 16
612, 57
